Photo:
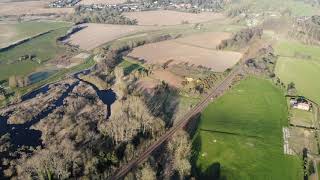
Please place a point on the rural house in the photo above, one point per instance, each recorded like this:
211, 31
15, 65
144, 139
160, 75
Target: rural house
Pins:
301, 104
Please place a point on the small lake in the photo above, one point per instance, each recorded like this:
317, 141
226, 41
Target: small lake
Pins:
41, 75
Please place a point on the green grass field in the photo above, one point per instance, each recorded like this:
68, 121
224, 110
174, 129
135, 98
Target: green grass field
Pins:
27, 29
130, 66
242, 131
56, 77
297, 8
301, 117
302, 71
291, 48
44, 47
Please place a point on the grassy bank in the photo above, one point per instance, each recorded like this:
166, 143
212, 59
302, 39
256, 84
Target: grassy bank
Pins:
242, 133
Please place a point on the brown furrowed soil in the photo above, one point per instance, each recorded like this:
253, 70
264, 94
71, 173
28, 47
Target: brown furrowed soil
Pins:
30, 8
167, 51
95, 35
164, 17
168, 77
209, 40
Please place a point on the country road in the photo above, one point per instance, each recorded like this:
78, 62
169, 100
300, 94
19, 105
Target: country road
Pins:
180, 123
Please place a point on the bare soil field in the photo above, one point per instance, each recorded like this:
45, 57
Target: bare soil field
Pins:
165, 17
162, 52
30, 7
88, 2
147, 84
168, 77
95, 35
208, 40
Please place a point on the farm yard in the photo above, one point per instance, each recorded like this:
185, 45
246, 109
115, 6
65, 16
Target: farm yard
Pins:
186, 50
240, 135
300, 64
165, 17
95, 35
30, 8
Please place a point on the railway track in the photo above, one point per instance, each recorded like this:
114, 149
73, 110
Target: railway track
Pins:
180, 124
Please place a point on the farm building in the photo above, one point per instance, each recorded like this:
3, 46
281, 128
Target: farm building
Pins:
301, 104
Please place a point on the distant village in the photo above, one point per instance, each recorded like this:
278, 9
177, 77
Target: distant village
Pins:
63, 3
127, 7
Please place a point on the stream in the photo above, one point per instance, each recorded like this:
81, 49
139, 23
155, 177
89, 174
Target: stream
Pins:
22, 135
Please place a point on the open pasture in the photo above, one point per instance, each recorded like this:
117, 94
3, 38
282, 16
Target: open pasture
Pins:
241, 134
95, 35
30, 8
300, 64
12, 32
165, 17
296, 8
43, 47
185, 51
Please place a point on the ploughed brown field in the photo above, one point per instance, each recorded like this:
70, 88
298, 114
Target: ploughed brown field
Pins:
95, 35
165, 17
209, 40
30, 7
88, 2
168, 77
189, 50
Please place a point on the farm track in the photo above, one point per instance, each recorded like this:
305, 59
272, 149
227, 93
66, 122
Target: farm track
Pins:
181, 123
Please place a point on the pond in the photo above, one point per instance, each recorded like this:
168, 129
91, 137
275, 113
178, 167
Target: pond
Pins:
107, 96
41, 75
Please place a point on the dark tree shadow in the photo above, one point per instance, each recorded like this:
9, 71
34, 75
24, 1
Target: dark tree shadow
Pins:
163, 102
20, 135
212, 172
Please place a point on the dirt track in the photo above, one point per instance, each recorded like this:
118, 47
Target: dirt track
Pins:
224, 85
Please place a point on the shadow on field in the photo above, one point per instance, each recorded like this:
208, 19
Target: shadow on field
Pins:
212, 172
230, 133
163, 102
